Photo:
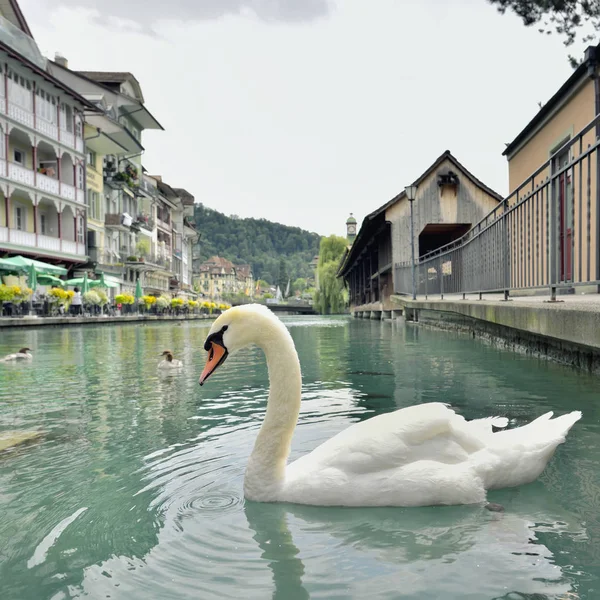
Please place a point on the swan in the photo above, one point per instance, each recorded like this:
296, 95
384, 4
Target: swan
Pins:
169, 362
22, 354
415, 456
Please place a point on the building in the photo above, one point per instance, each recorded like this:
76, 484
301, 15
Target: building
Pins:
186, 227
121, 197
552, 166
449, 201
218, 277
42, 152
351, 229
245, 279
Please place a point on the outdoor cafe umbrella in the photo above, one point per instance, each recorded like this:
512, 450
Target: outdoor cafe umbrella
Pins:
32, 277
138, 290
6, 265
40, 267
85, 287
45, 279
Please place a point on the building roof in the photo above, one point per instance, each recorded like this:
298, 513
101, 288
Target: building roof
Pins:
243, 270
350, 220
12, 11
586, 69
48, 77
374, 221
110, 78
186, 198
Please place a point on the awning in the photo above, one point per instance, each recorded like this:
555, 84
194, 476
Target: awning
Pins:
114, 133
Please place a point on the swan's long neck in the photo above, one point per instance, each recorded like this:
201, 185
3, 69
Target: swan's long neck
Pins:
266, 467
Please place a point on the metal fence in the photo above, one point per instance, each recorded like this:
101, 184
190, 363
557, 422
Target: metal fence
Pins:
544, 235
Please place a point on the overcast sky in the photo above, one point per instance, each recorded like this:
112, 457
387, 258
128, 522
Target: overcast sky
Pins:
302, 111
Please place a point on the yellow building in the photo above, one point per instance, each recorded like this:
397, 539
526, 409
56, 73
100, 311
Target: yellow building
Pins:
554, 200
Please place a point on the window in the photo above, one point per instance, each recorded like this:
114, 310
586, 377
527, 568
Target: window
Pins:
20, 222
43, 224
80, 171
45, 106
91, 158
80, 229
19, 90
19, 156
94, 202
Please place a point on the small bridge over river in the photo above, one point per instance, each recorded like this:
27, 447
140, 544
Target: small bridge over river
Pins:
291, 309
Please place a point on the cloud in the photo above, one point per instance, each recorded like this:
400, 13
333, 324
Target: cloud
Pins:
148, 12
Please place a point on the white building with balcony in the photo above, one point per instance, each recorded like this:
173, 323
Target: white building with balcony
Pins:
120, 224
42, 160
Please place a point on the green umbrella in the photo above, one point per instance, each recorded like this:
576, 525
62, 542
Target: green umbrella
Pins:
138, 290
85, 286
41, 267
45, 279
32, 277
6, 265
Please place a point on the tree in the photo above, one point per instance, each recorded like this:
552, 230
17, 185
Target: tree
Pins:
331, 297
299, 285
282, 278
566, 17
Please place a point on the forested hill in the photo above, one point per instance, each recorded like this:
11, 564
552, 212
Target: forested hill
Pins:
259, 242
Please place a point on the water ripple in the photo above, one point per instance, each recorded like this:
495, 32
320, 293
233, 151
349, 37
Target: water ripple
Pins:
159, 466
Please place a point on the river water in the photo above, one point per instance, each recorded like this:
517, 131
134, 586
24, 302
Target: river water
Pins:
133, 490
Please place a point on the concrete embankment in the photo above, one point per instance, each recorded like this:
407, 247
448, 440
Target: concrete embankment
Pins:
105, 320
567, 331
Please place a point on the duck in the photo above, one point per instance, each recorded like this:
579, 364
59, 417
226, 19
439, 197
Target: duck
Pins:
169, 362
22, 354
420, 455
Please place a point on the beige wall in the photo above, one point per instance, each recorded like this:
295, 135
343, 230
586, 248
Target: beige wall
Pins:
435, 205
528, 225
567, 122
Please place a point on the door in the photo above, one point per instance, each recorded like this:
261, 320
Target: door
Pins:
565, 218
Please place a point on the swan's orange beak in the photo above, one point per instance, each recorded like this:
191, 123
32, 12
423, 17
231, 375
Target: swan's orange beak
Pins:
216, 356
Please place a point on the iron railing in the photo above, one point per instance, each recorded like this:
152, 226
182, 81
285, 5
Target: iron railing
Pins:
546, 234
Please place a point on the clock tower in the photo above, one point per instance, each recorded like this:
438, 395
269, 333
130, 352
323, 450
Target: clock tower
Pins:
351, 229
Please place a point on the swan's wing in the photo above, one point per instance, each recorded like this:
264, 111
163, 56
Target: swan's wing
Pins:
430, 432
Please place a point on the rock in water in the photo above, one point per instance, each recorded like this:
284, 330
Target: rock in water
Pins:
494, 507
10, 439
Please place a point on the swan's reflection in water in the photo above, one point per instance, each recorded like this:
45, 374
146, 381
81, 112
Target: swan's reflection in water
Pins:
218, 546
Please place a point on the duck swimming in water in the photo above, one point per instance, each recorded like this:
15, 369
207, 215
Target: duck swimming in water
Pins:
22, 354
168, 361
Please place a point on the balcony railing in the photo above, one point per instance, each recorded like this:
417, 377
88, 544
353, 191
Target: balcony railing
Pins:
43, 242
20, 174
544, 235
19, 107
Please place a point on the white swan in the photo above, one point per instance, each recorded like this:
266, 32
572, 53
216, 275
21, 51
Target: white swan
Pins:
22, 354
168, 362
415, 456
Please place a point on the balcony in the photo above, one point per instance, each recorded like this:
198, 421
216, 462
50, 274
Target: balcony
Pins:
145, 221
44, 243
24, 176
119, 221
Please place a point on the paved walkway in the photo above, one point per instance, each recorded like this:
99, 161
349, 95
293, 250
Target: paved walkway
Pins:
582, 302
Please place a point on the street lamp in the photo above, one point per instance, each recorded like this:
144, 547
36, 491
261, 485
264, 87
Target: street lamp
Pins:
411, 194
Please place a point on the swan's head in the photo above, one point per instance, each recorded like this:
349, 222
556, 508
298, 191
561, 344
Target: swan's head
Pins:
235, 329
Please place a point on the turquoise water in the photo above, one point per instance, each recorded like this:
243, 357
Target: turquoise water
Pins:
134, 489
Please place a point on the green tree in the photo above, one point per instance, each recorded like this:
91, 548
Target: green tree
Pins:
331, 297
565, 17
282, 278
299, 285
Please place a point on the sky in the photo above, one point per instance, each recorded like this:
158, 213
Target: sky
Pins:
303, 111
